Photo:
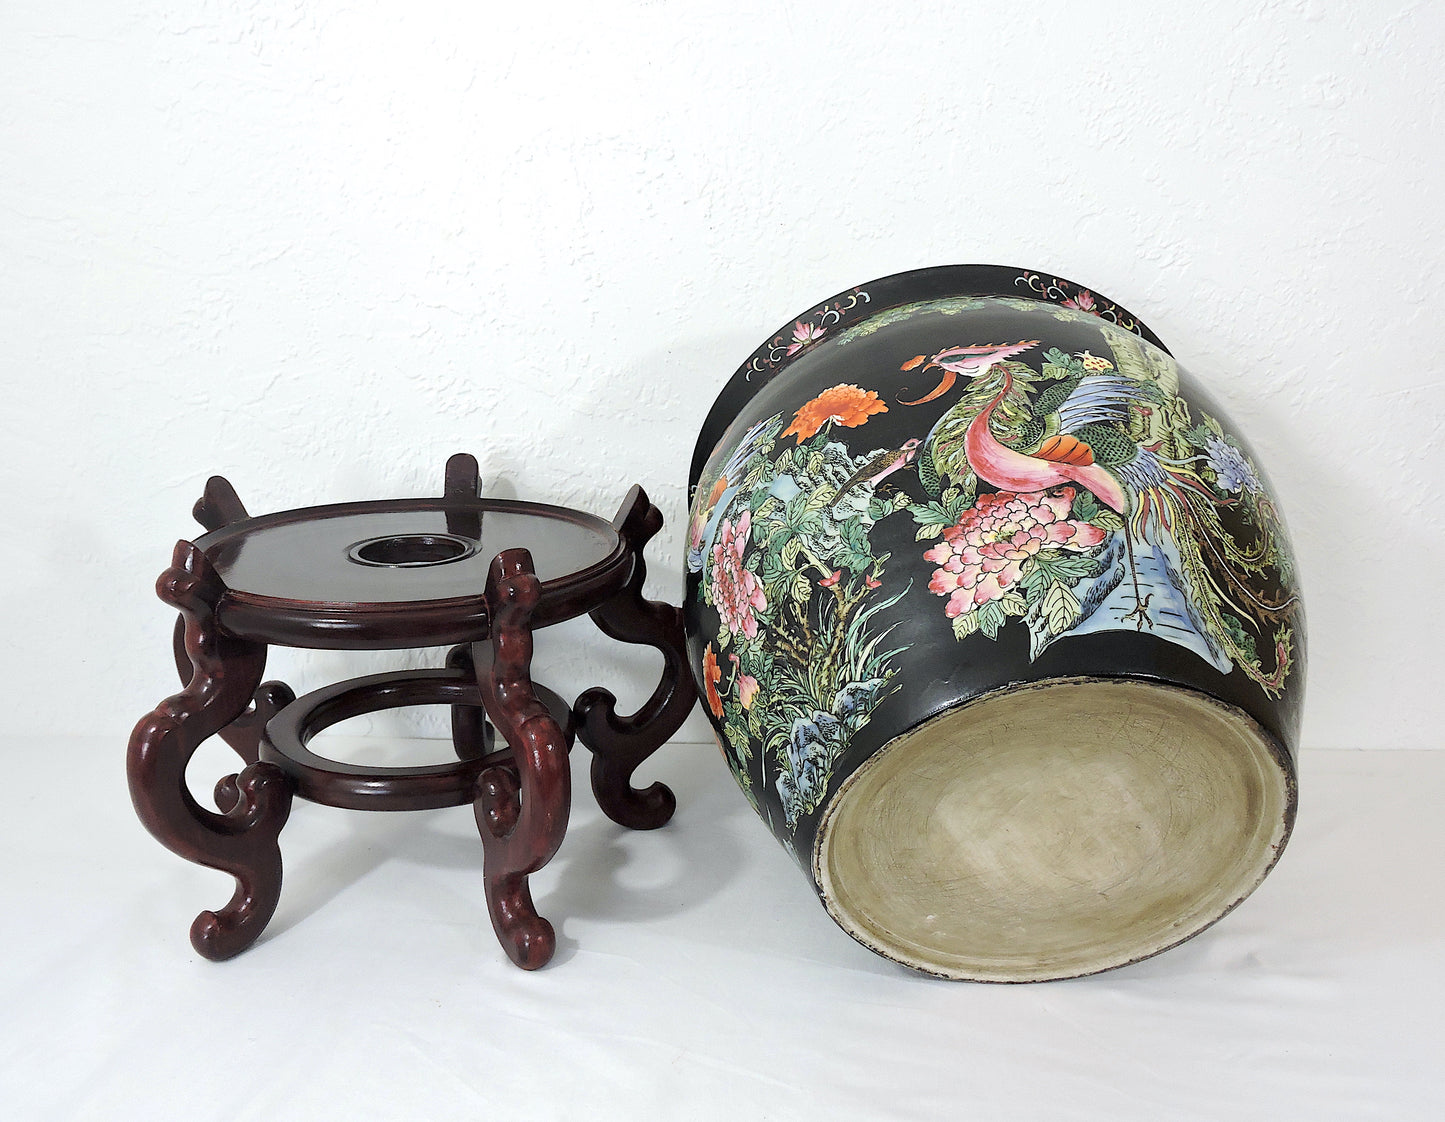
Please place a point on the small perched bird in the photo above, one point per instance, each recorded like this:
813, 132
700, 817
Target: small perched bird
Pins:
973, 361
878, 468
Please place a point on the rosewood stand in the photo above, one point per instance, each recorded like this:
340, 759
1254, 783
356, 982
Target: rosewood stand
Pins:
389, 575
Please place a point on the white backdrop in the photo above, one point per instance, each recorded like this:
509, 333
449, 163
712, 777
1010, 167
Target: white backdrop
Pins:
318, 246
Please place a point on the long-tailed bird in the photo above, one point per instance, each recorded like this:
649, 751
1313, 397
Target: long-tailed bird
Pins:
1090, 448
973, 361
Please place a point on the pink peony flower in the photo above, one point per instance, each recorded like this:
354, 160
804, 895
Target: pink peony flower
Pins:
803, 335
746, 683
829, 582
980, 558
1083, 302
736, 592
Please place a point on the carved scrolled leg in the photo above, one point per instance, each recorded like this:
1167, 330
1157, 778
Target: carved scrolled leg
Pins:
244, 733
521, 807
241, 841
620, 744
219, 506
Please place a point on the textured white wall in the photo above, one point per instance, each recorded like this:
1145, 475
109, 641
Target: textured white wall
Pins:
319, 246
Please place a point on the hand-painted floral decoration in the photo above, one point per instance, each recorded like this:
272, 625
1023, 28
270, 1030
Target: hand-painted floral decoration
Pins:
844, 405
1106, 515
804, 334
795, 585
1072, 493
737, 593
981, 559
712, 675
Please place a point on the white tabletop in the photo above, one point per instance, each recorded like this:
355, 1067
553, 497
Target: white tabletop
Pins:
696, 976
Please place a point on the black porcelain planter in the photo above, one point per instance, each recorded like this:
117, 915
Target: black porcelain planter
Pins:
996, 620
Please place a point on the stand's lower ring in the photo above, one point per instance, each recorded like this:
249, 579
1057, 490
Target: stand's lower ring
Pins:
368, 787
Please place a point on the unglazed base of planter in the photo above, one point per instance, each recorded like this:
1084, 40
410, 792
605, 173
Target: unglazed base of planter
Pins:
1054, 830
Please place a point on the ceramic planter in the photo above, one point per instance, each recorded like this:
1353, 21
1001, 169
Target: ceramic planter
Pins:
996, 620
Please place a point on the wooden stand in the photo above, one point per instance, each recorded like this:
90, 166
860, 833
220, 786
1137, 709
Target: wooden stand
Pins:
252, 582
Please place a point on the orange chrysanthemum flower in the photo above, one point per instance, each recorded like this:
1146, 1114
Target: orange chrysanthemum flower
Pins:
711, 676
846, 405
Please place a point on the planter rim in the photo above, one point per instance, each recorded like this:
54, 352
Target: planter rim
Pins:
856, 305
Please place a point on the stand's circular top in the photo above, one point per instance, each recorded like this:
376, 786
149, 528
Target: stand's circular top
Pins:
402, 550
403, 572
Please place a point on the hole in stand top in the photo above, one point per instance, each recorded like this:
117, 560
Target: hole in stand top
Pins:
304, 554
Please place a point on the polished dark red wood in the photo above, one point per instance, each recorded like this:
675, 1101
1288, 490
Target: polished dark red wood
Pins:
519, 782
521, 809
242, 840
244, 733
620, 744
381, 787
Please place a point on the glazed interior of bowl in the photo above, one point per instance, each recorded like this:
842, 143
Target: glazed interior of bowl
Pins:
1054, 830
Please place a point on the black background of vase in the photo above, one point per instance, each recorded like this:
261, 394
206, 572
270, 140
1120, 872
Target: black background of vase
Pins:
936, 671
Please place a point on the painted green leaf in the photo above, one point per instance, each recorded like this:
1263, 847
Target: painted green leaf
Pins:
813, 524
1034, 578
787, 559
822, 496
1065, 567
1013, 604
802, 588
1061, 608
1107, 520
855, 536
1085, 506
967, 488
1055, 357
1198, 436
774, 568
930, 531
965, 625
991, 618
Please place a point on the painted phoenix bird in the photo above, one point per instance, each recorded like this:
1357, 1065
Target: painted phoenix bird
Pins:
1123, 447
